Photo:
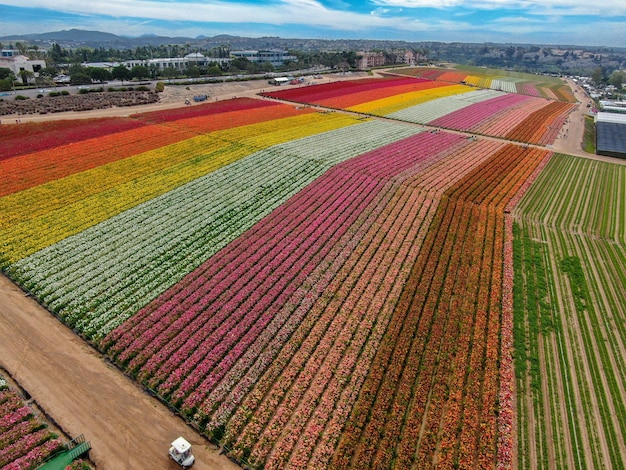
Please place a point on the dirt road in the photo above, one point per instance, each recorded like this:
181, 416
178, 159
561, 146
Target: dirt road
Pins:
174, 96
71, 382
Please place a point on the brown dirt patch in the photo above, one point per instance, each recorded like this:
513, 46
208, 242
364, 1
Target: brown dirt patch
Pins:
86, 395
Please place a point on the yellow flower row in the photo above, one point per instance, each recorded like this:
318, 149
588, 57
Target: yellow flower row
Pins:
42, 199
131, 183
386, 106
47, 197
481, 82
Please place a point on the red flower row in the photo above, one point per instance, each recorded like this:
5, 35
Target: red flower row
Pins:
37, 136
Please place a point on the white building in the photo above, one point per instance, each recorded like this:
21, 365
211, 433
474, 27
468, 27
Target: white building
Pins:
273, 56
182, 63
16, 62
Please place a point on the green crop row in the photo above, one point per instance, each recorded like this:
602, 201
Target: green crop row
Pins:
569, 315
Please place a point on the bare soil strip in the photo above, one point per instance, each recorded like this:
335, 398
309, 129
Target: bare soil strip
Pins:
85, 395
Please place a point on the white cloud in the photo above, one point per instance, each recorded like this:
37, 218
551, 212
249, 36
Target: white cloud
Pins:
308, 12
565, 7
396, 19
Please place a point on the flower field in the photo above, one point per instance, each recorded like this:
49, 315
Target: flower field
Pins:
570, 286
25, 441
511, 116
508, 81
309, 289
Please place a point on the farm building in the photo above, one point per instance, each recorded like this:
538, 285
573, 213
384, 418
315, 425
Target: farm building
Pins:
611, 134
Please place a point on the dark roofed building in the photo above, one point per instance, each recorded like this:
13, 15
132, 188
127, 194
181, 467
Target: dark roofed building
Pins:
611, 135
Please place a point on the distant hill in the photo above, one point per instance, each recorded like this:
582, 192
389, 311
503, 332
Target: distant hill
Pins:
81, 38
95, 39
571, 60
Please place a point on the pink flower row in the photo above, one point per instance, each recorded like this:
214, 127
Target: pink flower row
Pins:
9, 402
203, 284
365, 286
18, 431
286, 320
318, 93
502, 122
470, 117
23, 446
333, 435
247, 287
35, 456
14, 417
320, 235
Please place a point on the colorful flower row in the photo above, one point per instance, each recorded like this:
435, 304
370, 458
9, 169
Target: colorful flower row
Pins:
352, 294
36, 136
327, 92
24, 441
459, 107
542, 126
515, 82
392, 105
358, 301
68, 158
102, 275
245, 274
313, 289
380, 435
433, 110
34, 220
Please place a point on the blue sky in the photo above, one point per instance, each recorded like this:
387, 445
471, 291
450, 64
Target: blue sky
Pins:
566, 22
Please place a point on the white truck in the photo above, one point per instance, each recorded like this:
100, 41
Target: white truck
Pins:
180, 452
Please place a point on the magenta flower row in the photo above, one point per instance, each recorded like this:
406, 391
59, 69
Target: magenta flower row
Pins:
470, 117
273, 338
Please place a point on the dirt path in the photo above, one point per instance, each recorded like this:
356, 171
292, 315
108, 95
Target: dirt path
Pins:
174, 96
71, 382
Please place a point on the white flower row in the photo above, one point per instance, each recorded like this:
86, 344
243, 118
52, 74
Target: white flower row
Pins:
101, 276
508, 84
434, 109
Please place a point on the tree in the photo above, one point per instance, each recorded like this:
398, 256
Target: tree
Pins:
26, 76
120, 73
266, 67
140, 72
6, 84
193, 71
154, 71
99, 74
57, 54
49, 71
80, 77
21, 47
169, 72
240, 63
617, 78
214, 71
6, 79
597, 75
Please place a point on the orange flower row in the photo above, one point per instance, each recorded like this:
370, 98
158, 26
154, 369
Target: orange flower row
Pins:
539, 123
349, 100
32, 169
